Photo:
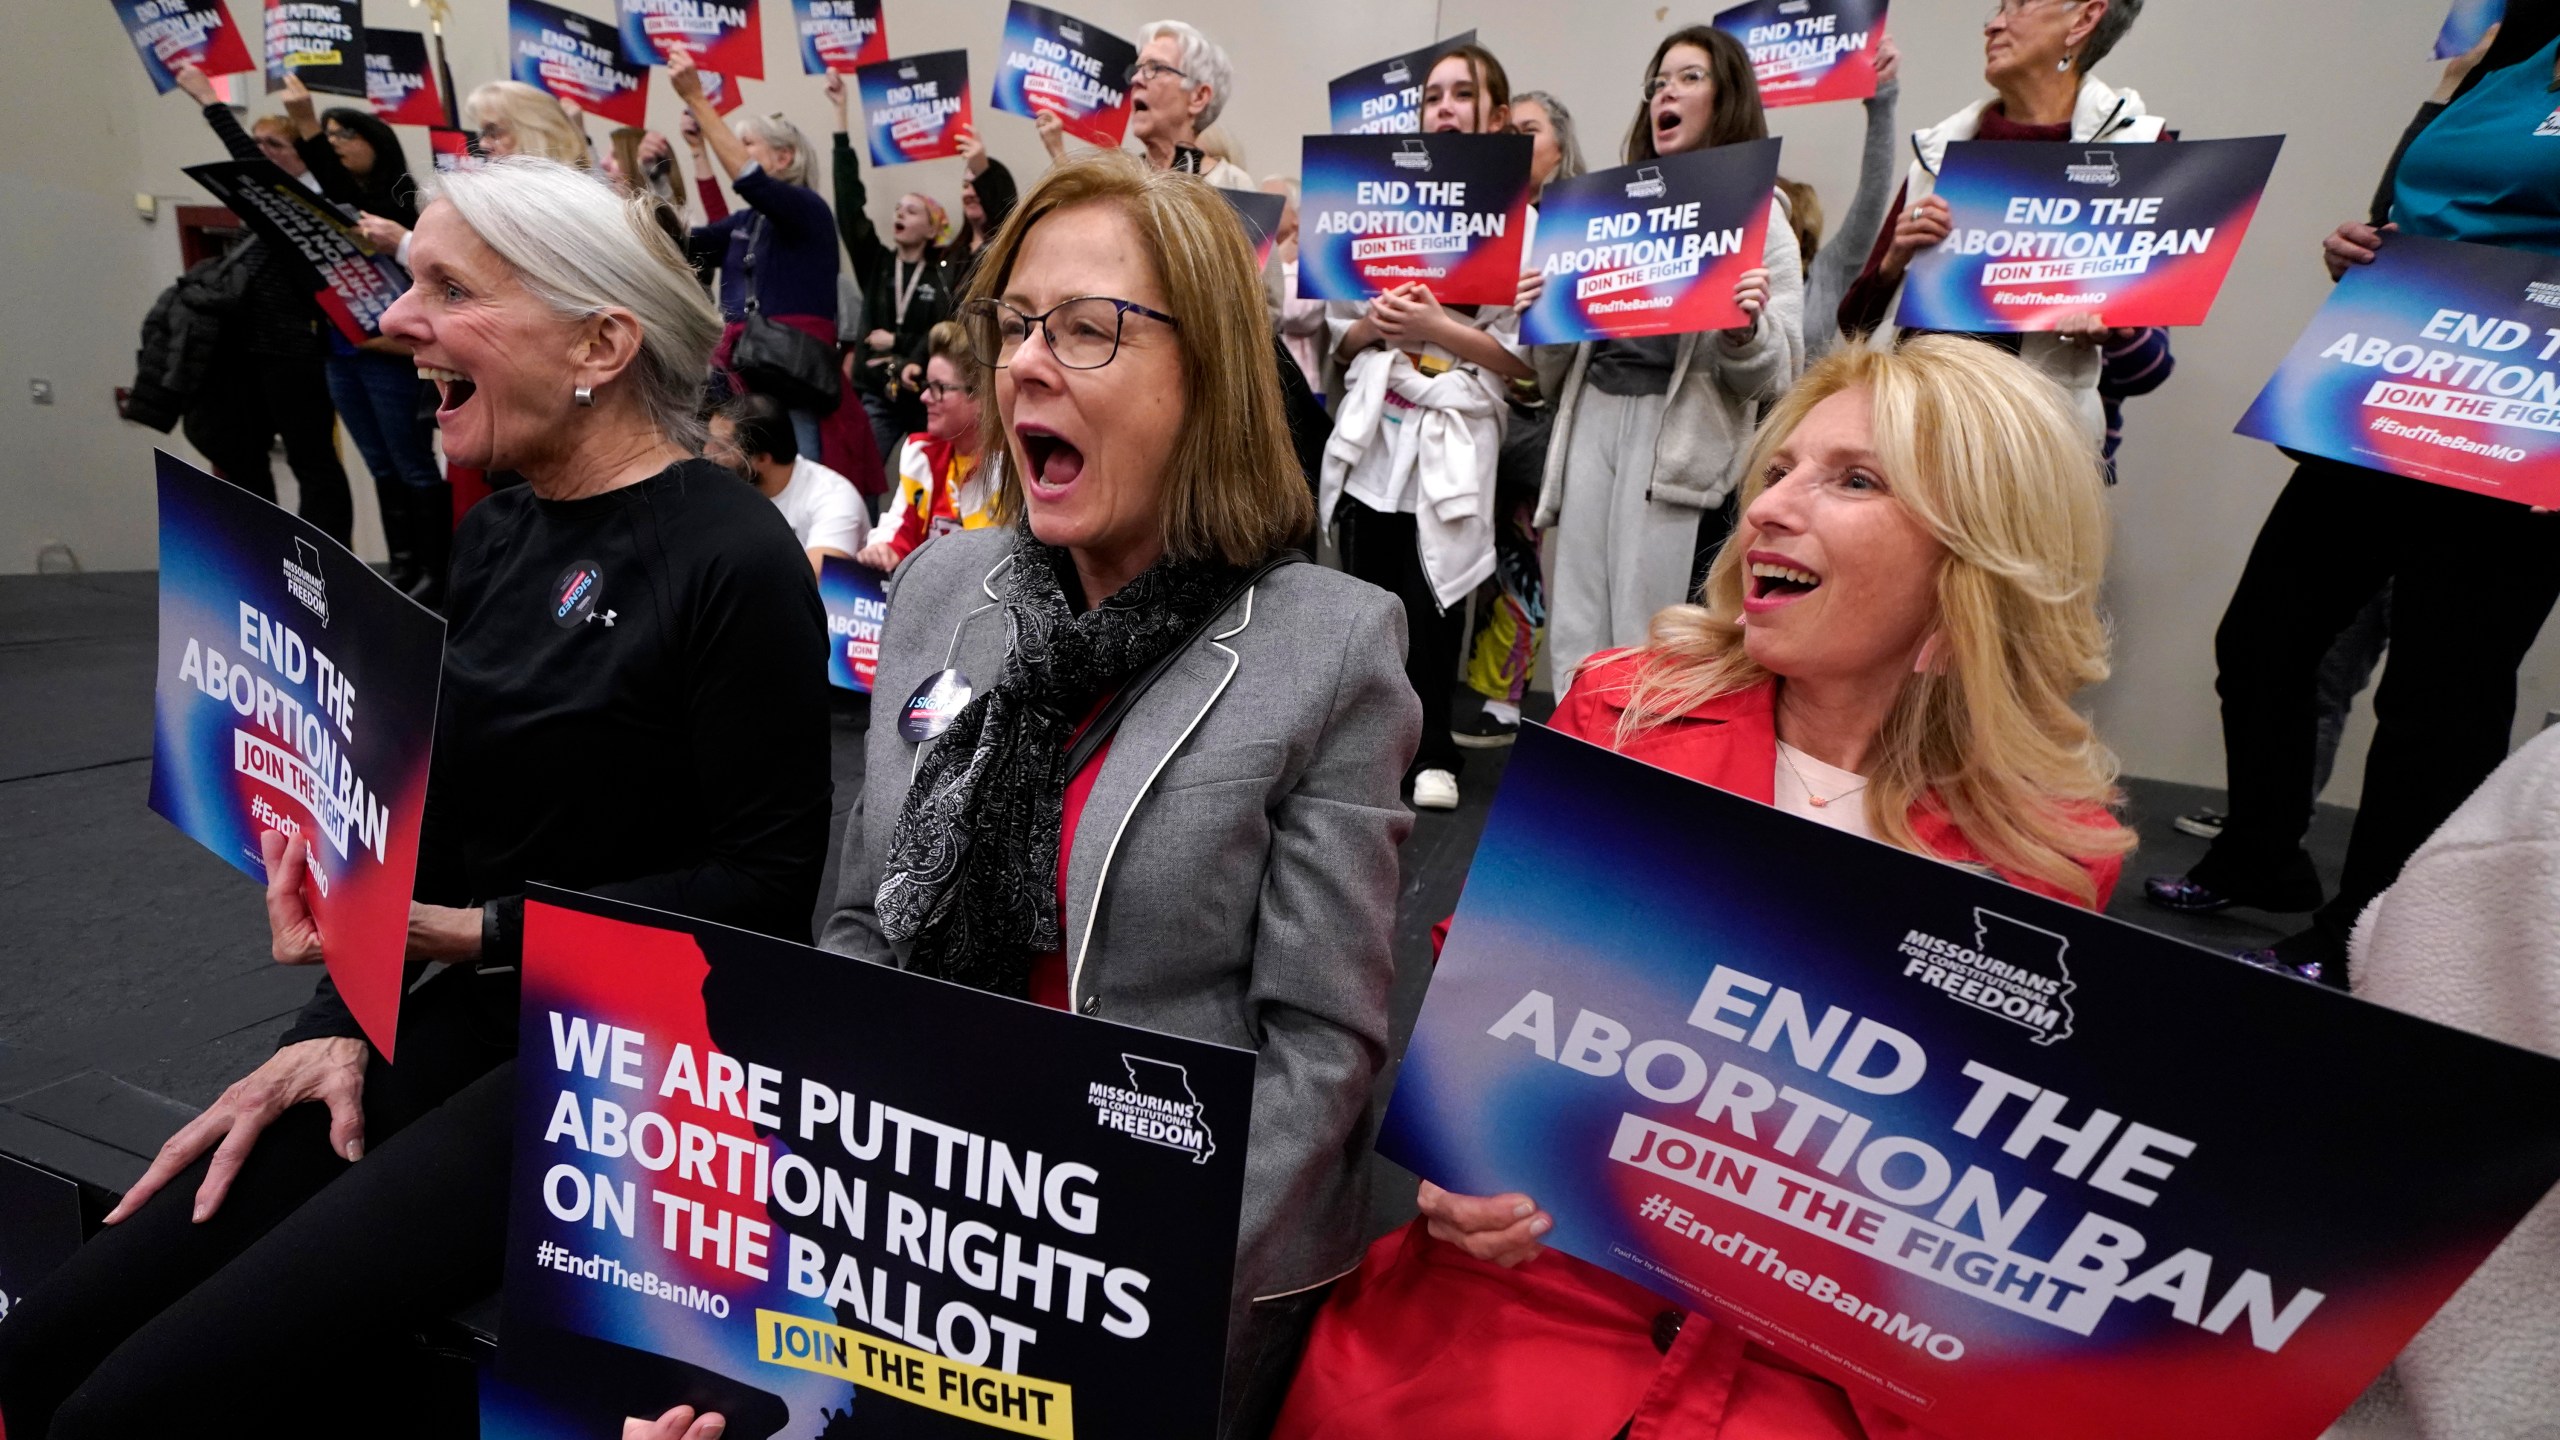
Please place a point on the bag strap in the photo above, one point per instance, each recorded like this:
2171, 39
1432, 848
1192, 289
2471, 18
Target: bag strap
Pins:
1082, 752
755, 282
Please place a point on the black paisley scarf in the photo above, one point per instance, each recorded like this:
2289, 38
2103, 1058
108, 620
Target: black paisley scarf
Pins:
970, 880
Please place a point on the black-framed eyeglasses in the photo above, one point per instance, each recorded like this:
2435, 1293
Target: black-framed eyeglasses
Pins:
1146, 70
940, 390
1082, 333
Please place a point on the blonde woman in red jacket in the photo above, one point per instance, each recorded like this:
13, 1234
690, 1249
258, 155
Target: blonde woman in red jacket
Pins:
1889, 646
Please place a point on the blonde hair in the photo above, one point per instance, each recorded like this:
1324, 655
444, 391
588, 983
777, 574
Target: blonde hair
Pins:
1233, 491
1991, 459
541, 127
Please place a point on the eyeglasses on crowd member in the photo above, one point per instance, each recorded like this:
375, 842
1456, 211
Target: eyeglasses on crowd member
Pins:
273, 1264
2040, 58
1223, 863
1648, 433
753, 435
1889, 646
1418, 408
942, 486
359, 163
2471, 578
269, 378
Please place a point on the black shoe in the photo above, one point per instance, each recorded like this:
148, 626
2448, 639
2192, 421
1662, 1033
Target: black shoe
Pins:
1484, 733
2295, 889
2204, 824
2311, 955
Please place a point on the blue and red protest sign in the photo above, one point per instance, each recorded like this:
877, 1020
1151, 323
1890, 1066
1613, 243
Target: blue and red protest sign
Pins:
1385, 97
572, 57
173, 34
723, 36
353, 283
915, 108
2439, 361
1651, 249
1805, 52
764, 1180
2136, 234
296, 693
1443, 211
1059, 65
1261, 213
1999, 1164
400, 81
857, 607
839, 36
321, 42
2466, 24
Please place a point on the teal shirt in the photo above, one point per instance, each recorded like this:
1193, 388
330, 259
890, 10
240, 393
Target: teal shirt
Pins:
2488, 170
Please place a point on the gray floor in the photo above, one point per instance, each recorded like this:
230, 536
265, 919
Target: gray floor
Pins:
134, 983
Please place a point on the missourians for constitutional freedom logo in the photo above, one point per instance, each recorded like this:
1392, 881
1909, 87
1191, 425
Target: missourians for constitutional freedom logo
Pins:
303, 580
1156, 1106
2009, 968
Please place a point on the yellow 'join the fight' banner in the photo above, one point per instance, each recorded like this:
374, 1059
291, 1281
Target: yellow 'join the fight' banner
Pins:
972, 1392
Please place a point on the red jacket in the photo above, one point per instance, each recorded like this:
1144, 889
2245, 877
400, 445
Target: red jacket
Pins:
1424, 1339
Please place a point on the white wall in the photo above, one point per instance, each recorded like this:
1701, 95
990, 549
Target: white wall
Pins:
2340, 77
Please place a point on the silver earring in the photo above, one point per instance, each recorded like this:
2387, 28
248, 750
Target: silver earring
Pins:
585, 395
2063, 64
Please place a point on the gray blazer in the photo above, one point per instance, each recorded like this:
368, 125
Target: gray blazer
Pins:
1234, 873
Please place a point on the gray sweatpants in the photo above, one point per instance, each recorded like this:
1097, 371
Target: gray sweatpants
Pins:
1619, 557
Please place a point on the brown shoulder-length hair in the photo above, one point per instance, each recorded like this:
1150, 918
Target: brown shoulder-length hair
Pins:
1233, 491
1735, 115
1493, 84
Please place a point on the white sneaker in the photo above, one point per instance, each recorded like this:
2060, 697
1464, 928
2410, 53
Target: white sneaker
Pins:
1435, 790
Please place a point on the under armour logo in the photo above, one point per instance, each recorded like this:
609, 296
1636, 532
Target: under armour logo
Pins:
604, 615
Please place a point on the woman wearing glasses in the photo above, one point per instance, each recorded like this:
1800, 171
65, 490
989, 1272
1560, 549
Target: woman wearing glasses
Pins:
1648, 433
941, 485
1176, 90
2039, 57
1171, 800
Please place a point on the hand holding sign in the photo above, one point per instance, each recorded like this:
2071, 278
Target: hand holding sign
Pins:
2354, 243
1501, 1229
199, 89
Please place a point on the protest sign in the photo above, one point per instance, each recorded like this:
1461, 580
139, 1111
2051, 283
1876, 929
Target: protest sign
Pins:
39, 1228
354, 283
448, 148
319, 41
723, 36
839, 35
571, 57
296, 693
1651, 249
173, 34
1058, 64
1261, 212
1999, 1164
856, 609
723, 93
1804, 52
2439, 361
399, 79
915, 108
1385, 98
2466, 24
2137, 234
794, 1181
1445, 211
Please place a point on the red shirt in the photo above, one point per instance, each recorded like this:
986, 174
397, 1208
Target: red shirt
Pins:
1424, 1339
1049, 972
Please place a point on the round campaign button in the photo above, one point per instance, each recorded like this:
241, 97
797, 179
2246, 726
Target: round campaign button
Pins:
934, 706
573, 595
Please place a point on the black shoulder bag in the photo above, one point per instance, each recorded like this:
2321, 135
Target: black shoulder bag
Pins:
773, 359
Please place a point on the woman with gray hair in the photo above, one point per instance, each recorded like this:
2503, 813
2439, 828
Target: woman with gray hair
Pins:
778, 256
2041, 59
630, 612
1178, 88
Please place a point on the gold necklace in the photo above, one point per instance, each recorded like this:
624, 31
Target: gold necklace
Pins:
1819, 803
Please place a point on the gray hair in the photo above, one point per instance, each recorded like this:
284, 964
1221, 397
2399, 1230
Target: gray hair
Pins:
582, 248
1203, 63
778, 133
2119, 17
1568, 144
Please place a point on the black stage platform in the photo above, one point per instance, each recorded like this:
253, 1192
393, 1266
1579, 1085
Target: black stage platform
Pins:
134, 983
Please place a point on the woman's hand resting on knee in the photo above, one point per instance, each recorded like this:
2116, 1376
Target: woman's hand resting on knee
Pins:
677, 1424
330, 1071
1501, 1228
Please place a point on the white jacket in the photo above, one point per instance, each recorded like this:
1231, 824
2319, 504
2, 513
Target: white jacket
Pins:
2101, 113
1444, 450
2469, 936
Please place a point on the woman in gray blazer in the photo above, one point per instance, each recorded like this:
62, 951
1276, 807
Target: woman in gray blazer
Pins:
1223, 864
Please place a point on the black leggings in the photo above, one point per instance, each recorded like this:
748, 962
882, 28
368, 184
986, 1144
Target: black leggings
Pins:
1385, 550
250, 401
292, 1311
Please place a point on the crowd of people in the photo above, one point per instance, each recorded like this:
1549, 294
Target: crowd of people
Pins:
1839, 568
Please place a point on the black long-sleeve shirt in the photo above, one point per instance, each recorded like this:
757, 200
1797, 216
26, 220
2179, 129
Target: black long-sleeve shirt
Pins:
277, 317
930, 295
659, 735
